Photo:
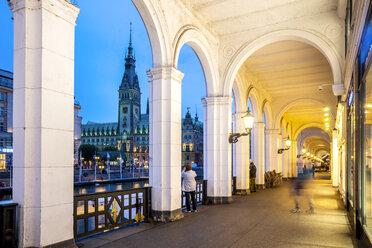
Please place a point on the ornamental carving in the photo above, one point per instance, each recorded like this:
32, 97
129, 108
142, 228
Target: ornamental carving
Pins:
333, 31
228, 51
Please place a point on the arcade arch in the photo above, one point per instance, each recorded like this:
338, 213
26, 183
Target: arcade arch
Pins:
324, 46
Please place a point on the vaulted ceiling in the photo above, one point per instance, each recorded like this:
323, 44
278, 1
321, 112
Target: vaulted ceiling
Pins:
282, 70
289, 68
233, 16
293, 69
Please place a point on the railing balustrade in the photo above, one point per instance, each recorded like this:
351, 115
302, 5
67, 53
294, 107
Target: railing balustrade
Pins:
200, 193
99, 212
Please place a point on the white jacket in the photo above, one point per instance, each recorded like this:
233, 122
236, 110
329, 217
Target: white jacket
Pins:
188, 181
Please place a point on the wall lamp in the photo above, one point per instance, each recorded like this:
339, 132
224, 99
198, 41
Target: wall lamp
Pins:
288, 143
303, 153
248, 119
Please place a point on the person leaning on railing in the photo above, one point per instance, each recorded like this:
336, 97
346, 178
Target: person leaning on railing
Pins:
189, 187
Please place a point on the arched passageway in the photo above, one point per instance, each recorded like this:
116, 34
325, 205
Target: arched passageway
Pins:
279, 68
283, 78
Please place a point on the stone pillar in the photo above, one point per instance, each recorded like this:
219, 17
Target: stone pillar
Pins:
272, 149
217, 149
165, 143
43, 119
259, 153
285, 157
295, 151
335, 160
280, 156
241, 157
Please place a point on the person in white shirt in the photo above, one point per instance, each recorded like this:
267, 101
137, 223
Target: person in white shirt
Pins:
189, 187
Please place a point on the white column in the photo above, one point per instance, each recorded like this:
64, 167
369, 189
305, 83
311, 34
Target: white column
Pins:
335, 160
165, 142
280, 156
272, 148
217, 149
259, 153
293, 165
44, 120
241, 157
285, 159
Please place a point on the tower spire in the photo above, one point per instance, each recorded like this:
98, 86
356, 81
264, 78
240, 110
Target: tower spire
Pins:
130, 34
130, 48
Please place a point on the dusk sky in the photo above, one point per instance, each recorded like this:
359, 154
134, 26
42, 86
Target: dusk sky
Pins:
101, 39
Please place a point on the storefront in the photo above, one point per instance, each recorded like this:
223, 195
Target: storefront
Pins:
358, 174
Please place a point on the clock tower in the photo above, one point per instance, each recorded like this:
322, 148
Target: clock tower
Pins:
129, 101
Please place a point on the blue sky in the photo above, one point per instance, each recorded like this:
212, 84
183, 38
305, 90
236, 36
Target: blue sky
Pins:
101, 39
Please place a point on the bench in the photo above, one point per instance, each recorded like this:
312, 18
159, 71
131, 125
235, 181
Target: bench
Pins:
273, 179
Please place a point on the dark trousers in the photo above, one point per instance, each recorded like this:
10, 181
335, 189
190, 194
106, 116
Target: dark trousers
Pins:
252, 184
192, 194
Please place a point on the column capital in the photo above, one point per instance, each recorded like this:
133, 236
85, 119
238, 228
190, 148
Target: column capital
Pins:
271, 131
62, 8
217, 100
338, 88
167, 72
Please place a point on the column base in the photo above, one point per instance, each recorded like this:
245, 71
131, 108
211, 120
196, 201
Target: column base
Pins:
243, 191
70, 243
260, 186
167, 216
219, 199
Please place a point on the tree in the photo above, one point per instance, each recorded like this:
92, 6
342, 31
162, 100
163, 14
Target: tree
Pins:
110, 148
87, 151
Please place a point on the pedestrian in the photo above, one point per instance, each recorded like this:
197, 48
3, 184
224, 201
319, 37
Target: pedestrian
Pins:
189, 187
252, 176
313, 171
302, 185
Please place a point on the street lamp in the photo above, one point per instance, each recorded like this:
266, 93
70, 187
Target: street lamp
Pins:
248, 119
288, 144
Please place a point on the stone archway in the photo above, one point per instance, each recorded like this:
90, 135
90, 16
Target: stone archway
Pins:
326, 48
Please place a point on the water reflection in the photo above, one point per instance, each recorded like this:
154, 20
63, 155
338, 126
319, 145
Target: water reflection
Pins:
89, 189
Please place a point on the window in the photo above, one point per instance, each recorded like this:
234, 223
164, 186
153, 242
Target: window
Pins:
2, 126
125, 110
2, 111
2, 96
367, 167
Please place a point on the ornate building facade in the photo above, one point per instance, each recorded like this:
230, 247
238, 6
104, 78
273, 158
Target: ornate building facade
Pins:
192, 140
130, 135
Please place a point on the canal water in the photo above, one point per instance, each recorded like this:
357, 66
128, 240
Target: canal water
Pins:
6, 193
107, 187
